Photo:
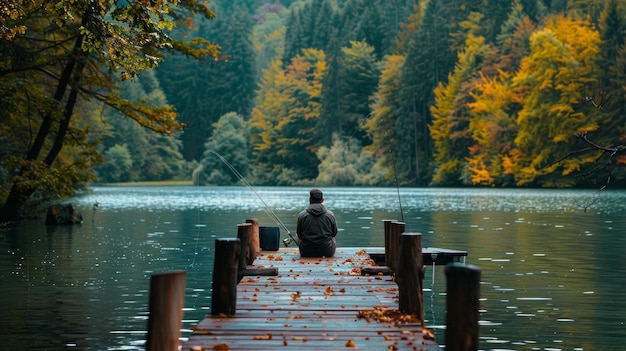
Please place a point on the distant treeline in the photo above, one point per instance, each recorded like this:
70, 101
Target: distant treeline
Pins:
433, 92
381, 92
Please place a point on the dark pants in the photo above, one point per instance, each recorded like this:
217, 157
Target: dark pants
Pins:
327, 250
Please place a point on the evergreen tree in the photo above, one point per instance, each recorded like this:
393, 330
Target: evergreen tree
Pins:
381, 126
204, 91
309, 25
357, 81
421, 73
612, 129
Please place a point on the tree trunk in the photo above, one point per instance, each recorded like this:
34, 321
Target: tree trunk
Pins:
18, 196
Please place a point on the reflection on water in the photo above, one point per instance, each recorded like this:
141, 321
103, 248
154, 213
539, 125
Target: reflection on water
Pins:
552, 267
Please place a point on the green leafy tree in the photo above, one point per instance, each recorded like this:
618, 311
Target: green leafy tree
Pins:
230, 142
155, 156
118, 166
65, 56
346, 163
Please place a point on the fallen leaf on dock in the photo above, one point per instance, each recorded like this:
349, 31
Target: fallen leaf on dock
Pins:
221, 347
350, 343
355, 271
428, 334
384, 315
262, 337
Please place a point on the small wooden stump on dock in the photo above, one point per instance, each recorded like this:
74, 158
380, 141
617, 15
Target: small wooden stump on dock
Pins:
167, 299
395, 231
248, 254
255, 240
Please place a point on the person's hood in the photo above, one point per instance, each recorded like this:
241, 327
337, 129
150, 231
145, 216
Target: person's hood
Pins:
316, 209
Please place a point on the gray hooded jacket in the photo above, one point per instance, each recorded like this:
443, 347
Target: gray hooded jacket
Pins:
316, 230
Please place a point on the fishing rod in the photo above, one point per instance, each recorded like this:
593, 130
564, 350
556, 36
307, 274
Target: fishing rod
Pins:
268, 209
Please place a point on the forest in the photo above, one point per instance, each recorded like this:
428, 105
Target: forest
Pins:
489, 93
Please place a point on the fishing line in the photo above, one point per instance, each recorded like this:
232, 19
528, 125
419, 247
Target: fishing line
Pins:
268, 209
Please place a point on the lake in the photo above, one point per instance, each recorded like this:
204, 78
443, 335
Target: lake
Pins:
552, 261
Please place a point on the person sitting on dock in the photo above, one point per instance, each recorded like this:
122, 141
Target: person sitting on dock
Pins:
316, 228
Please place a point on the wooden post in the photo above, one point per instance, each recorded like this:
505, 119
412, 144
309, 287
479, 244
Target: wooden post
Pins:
255, 241
397, 228
387, 229
411, 275
244, 231
225, 276
462, 303
167, 299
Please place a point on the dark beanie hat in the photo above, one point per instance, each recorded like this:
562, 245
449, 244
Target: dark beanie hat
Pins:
316, 195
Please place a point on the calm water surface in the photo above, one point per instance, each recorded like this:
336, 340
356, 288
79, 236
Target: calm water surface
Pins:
552, 261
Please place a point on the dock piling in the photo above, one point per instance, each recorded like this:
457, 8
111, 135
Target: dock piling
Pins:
410, 275
244, 234
255, 240
462, 304
225, 276
167, 299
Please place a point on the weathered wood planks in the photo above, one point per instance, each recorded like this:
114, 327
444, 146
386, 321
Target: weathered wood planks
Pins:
313, 303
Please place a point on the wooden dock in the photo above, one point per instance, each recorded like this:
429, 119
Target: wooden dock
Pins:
317, 303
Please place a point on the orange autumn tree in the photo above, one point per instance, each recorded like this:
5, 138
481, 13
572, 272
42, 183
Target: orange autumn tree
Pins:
550, 86
284, 119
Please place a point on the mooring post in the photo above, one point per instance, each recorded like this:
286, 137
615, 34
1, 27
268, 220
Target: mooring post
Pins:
387, 230
225, 276
397, 228
255, 241
244, 231
167, 299
411, 275
462, 303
